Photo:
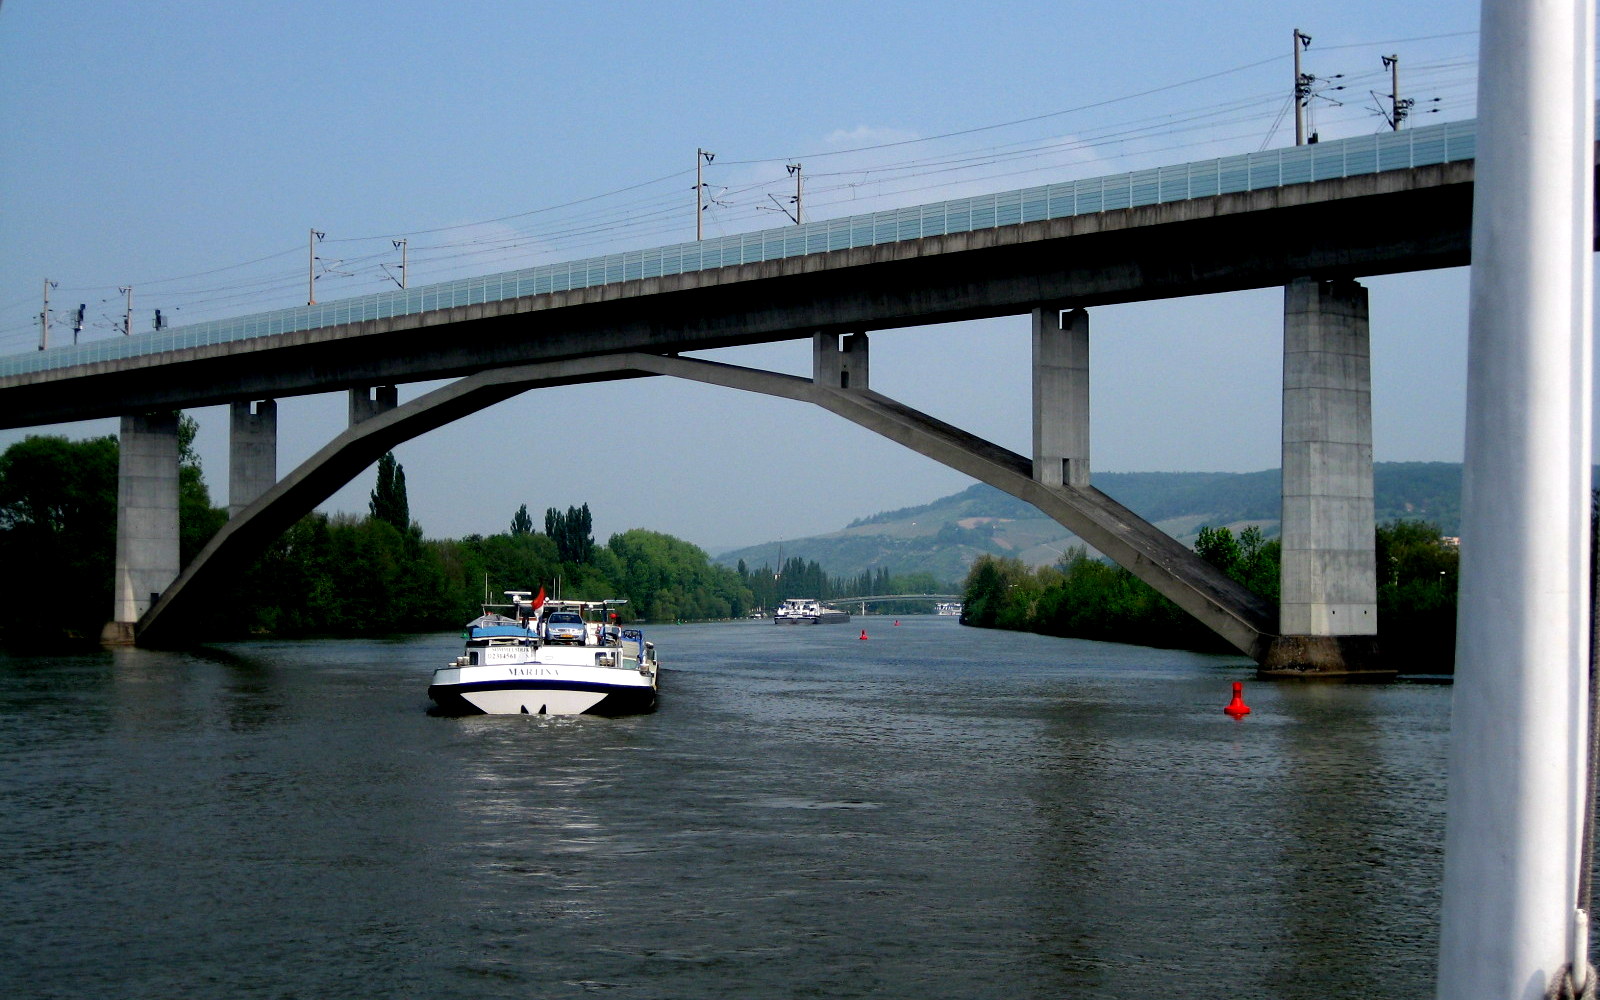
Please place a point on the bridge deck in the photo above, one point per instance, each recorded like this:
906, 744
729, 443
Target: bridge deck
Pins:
1448, 142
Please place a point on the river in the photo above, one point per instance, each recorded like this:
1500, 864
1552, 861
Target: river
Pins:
935, 812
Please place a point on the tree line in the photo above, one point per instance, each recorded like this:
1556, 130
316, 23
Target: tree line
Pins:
343, 574
1088, 598
797, 577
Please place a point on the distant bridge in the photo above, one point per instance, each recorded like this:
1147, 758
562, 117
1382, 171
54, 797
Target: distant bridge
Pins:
862, 602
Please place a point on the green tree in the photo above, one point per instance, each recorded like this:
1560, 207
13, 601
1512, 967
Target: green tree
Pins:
988, 600
1218, 547
388, 500
572, 532
58, 524
1417, 578
198, 520
521, 523
666, 578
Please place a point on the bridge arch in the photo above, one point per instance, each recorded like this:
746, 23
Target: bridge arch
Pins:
1242, 618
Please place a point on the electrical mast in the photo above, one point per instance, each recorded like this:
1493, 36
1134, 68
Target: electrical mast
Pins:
794, 168
1397, 107
701, 157
1302, 88
44, 317
311, 267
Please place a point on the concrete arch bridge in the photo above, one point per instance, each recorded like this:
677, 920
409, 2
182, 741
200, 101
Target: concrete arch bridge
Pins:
1310, 219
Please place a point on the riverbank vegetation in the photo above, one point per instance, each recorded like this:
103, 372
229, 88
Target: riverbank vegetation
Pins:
1087, 598
346, 575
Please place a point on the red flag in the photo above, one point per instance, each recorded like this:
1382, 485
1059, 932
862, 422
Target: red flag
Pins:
539, 601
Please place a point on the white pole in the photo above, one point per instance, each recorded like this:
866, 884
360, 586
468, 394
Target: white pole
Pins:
44, 317
1520, 713
311, 267
1302, 89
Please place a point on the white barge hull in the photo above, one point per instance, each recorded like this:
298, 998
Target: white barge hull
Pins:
542, 689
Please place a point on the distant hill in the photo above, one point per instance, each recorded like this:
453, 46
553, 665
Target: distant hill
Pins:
945, 536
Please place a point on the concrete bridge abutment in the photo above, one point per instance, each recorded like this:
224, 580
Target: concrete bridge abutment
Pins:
147, 520
1328, 614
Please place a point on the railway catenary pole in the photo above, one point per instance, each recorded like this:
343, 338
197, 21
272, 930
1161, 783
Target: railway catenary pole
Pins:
1514, 827
1302, 89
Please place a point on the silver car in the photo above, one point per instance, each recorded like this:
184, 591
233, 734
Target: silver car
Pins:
564, 626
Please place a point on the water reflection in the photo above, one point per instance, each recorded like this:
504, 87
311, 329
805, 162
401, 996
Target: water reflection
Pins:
1364, 818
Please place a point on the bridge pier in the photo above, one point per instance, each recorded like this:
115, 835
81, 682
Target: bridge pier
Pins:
1327, 614
252, 452
371, 402
839, 362
1061, 396
147, 520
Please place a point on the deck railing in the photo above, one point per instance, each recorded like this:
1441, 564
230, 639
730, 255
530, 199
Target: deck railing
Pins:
1429, 145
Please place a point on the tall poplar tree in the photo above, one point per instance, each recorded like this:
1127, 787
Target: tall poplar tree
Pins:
388, 502
521, 523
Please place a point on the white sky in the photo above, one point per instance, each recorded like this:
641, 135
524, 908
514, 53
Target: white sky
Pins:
161, 144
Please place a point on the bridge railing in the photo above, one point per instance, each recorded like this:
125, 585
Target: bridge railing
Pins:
1425, 146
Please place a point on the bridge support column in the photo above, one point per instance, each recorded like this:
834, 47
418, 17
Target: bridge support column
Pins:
147, 519
839, 362
368, 403
1328, 615
252, 452
1061, 397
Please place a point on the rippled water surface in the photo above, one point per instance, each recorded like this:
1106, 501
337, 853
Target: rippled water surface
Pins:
935, 812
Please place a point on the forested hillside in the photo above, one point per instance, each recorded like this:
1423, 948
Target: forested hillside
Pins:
944, 538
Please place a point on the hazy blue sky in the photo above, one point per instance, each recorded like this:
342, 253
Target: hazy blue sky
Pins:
186, 149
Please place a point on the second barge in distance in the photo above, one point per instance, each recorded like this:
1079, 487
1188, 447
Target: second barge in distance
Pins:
807, 611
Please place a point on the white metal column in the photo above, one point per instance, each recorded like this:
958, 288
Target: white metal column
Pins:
1520, 712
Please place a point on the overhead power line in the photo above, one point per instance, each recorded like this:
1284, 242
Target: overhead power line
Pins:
736, 194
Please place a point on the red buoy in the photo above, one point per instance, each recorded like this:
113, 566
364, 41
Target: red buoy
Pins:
1237, 708
897, 623
863, 633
